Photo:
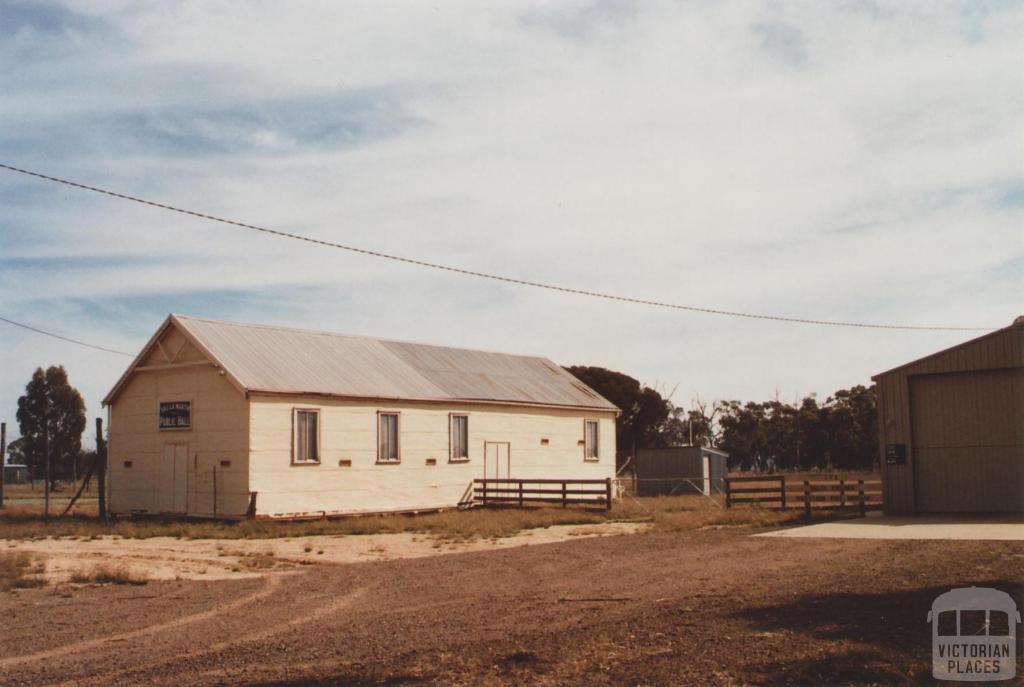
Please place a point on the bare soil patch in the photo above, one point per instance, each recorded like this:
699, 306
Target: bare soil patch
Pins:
169, 558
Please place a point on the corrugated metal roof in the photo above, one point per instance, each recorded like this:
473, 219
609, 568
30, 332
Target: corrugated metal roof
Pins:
283, 360
1001, 348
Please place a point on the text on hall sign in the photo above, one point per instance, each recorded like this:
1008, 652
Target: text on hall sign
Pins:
175, 414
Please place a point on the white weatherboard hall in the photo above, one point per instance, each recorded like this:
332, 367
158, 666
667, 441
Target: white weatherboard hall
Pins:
219, 419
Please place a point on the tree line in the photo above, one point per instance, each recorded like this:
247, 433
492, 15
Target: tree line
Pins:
839, 433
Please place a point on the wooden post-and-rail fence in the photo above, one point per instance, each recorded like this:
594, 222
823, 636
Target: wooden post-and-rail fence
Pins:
775, 491
564, 492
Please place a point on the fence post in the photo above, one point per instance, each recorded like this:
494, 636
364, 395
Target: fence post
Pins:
564, 496
860, 497
807, 498
3, 457
608, 493
728, 492
46, 473
782, 486
520, 493
842, 495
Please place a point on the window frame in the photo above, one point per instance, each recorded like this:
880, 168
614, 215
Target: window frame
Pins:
295, 436
398, 437
452, 458
596, 458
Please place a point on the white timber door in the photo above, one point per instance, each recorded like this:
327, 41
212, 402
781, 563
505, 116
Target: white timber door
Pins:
497, 460
174, 485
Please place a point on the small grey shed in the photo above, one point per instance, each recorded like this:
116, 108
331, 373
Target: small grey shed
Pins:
681, 470
16, 474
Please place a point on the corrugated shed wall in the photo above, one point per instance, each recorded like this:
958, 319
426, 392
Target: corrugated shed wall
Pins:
1003, 349
967, 446
665, 470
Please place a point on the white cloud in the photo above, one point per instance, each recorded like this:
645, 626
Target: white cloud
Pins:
819, 160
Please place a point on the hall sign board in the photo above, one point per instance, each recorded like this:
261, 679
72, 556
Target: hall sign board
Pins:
175, 414
896, 454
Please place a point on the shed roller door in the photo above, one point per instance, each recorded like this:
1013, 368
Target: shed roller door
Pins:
967, 441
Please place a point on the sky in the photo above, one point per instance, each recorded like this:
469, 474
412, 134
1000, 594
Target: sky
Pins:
853, 161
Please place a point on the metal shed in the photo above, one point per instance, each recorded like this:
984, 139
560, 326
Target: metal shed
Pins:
951, 428
16, 474
680, 470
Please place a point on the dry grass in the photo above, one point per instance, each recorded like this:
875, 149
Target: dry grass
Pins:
686, 512
458, 525
736, 517
681, 513
17, 571
108, 574
256, 560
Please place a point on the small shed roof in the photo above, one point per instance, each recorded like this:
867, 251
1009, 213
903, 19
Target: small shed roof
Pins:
282, 360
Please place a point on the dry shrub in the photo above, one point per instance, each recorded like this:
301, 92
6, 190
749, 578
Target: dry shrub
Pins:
108, 574
259, 561
16, 569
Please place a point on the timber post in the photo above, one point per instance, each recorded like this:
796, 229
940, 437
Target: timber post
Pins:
46, 473
3, 459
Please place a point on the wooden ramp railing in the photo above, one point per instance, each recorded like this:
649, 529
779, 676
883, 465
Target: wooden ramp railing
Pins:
775, 491
524, 492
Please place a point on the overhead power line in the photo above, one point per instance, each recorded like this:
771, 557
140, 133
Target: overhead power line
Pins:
65, 338
486, 275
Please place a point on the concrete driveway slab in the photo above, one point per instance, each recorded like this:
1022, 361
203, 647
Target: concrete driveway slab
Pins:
885, 527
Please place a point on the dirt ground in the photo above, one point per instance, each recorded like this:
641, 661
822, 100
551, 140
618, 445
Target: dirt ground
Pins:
168, 558
715, 606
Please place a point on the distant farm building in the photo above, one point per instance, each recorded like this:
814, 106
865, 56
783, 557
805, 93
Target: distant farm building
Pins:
951, 428
217, 419
680, 470
16, 474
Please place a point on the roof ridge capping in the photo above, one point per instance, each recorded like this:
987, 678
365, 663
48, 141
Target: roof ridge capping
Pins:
366, 337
